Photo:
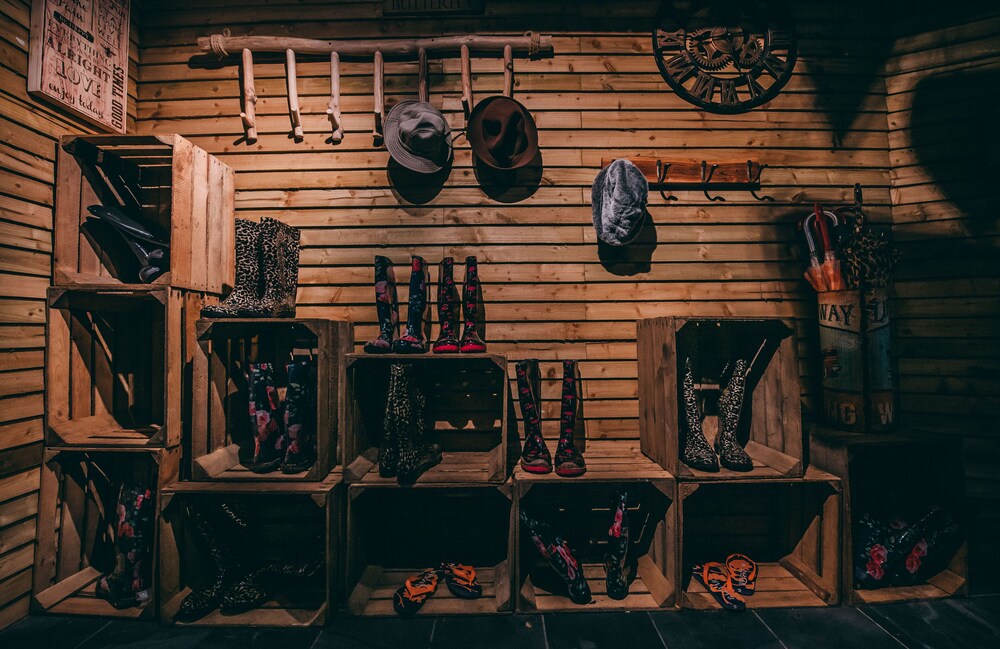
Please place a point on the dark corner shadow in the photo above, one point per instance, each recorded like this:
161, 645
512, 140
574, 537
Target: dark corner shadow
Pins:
509, 186
955, 134
414, 187
633, 258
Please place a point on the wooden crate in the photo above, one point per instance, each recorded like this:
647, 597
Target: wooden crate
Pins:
908, 472
287, 520
221, 438
581, 509
118, 364
468, 415
790, 527
771, 430
76, 508
162, 180
395, 533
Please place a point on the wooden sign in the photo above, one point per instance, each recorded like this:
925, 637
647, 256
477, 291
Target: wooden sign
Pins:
79, 58
422, 7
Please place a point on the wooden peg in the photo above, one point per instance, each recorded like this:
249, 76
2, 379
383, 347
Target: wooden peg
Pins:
508, 71
293, 95
333, 108
249, 113
379, 99
467, 101
423, 93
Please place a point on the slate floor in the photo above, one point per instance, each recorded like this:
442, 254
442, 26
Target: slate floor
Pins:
971, 622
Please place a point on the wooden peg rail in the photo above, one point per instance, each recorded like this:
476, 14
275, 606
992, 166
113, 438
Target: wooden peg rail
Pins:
699, 175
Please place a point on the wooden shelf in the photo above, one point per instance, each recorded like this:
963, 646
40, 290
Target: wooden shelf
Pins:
372, 596
776, 587
607, 461
640, 596
457, 468
102, 430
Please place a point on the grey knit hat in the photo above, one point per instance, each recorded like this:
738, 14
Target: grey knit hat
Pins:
618, 199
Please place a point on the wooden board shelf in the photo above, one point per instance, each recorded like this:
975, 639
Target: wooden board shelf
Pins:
372, 597
607, 461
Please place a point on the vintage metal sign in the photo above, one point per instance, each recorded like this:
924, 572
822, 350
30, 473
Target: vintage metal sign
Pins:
421, 7
79, 58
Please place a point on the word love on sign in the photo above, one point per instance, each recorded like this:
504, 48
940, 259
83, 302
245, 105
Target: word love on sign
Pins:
79, 58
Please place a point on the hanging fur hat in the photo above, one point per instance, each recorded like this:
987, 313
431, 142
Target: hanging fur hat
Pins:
618, 199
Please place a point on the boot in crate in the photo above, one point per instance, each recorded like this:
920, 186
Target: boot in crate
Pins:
210, 525
245, 296
128, 584
472, 341
265, 419
300, 417
615, 561
447, 342
416, 453
279, 249
569, 461
414, 340
557, 552
727, 445
698, 453
396, 406
386, 306
535, 456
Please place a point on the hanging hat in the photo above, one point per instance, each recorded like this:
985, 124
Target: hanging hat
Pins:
618, 200
502, 133
418, 136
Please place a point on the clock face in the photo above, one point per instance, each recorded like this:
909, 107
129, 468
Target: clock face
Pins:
725, 57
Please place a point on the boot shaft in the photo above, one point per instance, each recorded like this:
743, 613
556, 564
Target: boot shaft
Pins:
472, 334
279, 245
414, 340
569, 400
447, 300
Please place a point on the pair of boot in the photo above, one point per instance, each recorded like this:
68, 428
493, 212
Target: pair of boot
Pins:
128, 584
267, 272
415, 339
535, 456
405, 453
240, 581
698, 453
134, 251
284, 432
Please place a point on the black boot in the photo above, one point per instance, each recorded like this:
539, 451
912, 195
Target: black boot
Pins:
615, 560
697, 453
386, 306
300, 417
447, 342
245, 296
569, 461
265, 419
472, 341
727, 445
414, 341
557, 552
205, 599
128, 584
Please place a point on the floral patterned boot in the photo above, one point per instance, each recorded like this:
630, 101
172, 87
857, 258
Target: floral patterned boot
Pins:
615, 561
535, 456
698, 453
300, 417
557, 552
447, 342
128, 584
727, 445
269, 443
569, 461
472, 341
414, 340
386, 307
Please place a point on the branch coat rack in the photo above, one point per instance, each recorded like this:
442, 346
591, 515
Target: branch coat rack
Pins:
531, 45
663, 175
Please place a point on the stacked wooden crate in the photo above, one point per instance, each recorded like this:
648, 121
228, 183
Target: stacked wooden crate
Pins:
118, 354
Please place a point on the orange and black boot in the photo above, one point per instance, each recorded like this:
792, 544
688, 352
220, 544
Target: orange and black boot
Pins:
472, 341
569, 461
615, 561
447, 342
414, 340
386, 306
535, 456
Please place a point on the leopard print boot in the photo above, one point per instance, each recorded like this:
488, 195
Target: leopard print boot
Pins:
245, 296
416, 453
728, 446
697, 452
291, 240
279, 247
396, 407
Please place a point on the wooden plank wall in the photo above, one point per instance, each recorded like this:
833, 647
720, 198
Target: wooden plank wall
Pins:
28, 134
942, 83
548, 294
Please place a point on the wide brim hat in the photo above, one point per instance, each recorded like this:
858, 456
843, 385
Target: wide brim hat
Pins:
418, 136
618, 200
502, 133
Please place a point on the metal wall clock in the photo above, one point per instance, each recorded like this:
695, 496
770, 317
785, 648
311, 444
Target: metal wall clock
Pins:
724, 56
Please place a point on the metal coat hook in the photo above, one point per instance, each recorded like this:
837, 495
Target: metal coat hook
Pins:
858, 199
755, 181
661, 177
706, 177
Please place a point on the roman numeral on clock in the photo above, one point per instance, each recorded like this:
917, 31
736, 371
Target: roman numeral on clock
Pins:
704, 87
680, 68
670, 40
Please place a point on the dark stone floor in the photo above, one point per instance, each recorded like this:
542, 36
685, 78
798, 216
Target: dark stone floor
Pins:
970, 622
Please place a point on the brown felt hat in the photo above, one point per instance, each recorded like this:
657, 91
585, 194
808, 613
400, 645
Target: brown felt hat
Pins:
502, 133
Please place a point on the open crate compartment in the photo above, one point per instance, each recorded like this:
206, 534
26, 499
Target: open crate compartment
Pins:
393, 534
116, 365
581, 512
222, 439
285, 524
163, 182
77, 519
467, 415
898, 476
770, 423
790, 528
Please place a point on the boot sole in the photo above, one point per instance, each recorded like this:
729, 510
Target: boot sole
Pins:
571, 473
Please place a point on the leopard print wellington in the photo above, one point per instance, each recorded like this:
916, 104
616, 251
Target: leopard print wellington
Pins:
416, 454
245, 296
698, 453
731, 452
277, 242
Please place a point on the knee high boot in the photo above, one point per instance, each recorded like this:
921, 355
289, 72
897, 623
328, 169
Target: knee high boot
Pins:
300, 417
414, 341
447, 342
535, 456
569, 461
727, 445
416, 454
697, 452
245, 296
472, 341
279, 246
386, 307
128, 584
265, 419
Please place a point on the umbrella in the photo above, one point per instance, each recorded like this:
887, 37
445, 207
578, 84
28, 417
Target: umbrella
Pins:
814, 273
832, 276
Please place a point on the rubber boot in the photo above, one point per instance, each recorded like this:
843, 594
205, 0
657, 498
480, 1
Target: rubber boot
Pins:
416, 454
447, 342
569, 461
535, 456
300, 417
279, 248
207, 598
291, 239
698, 453
557, 552
414, 341
245, 296
386, 306
265, 419
472, 341
727, 445
616, 558
128, 584
388, 451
